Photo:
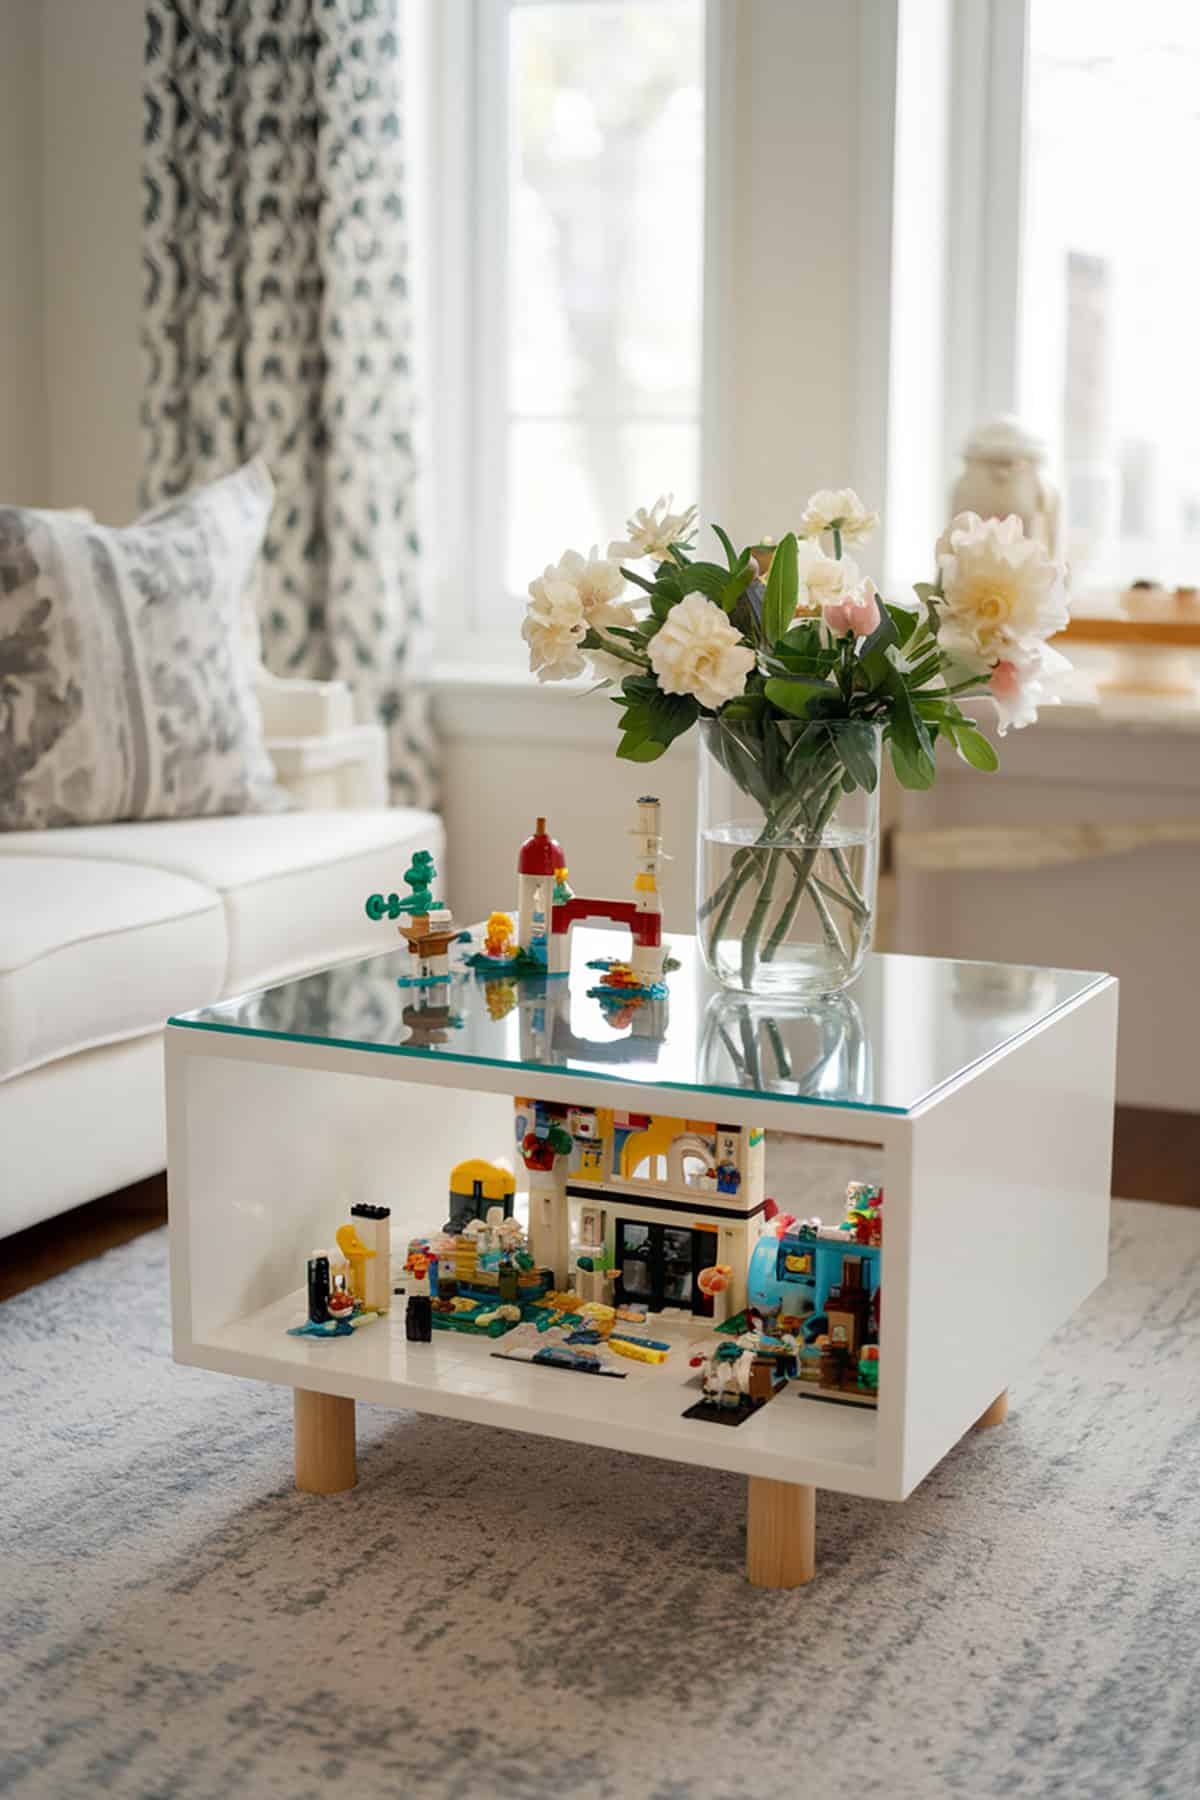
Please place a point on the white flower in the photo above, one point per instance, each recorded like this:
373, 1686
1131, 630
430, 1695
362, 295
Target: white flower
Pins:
597, 580
824, 580
1019, 688
653, 530
570, 596
1001, 594
554, 628
838, 509
697, 651
964, 523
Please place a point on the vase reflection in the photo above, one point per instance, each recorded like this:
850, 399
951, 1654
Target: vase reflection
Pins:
815, 1049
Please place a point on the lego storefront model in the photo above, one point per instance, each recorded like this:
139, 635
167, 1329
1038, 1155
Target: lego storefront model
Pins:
662, 1200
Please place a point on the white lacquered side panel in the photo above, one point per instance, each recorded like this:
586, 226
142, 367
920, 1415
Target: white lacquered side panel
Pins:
1001, 1230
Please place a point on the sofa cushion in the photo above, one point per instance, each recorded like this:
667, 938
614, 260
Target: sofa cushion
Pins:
95, 951
293, 884
130, 695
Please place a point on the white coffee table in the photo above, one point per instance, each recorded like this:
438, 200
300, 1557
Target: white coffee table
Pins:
985, 1092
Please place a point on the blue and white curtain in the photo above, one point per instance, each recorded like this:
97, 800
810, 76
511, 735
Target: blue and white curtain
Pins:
276, 320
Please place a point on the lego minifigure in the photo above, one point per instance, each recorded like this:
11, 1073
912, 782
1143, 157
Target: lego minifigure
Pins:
418, 1319
319, 1287
357, 1254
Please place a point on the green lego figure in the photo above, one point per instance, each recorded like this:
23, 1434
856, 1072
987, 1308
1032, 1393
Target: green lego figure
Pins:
420, 876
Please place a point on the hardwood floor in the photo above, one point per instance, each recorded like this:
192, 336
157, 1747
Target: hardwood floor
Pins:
29, 1257
1156, 1156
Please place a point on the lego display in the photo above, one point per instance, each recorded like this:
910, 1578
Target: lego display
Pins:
625, 1215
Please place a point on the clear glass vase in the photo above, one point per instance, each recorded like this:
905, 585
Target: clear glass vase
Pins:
787, 853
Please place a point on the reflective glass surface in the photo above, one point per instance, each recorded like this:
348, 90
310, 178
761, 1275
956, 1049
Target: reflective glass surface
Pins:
908, 1025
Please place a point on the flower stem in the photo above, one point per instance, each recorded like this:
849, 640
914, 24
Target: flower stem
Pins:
802, 864
843, 869
833, 936
757, 920
846, 900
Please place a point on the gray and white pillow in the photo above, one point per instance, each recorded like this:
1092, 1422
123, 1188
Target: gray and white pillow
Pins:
125, 690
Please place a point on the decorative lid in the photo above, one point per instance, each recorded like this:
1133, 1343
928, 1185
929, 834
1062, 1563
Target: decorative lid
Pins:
539, 854
1005, 437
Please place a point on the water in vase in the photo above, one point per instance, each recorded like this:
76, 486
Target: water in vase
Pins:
786, 917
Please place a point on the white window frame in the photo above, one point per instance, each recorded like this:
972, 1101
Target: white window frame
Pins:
985, 211
463, 149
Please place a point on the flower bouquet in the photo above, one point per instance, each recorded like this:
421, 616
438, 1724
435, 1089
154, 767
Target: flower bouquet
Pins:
797, 673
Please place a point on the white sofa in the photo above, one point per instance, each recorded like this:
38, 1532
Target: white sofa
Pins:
106, 930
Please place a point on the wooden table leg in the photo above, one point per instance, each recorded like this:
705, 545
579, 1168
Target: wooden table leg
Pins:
324, 1443
780, 1533
996, 1413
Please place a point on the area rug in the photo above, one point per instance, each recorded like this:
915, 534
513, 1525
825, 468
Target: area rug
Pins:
488, 1614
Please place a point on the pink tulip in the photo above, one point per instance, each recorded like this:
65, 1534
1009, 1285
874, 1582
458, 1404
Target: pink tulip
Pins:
857, 611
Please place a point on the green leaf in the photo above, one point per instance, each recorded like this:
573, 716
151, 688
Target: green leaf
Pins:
855, 745
704, 578
905, 619
974, 748
735, 586
746, 706
872, 658
797, 696
783, 587
926, 591
640, 751
912, 771
727, 547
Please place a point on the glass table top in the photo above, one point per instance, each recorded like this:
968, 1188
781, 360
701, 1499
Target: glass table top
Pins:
905, 1028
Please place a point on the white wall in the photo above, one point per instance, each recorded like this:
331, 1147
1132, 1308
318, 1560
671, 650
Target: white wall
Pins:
23, 426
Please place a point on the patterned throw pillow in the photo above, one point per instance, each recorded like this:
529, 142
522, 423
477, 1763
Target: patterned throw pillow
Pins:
125, 691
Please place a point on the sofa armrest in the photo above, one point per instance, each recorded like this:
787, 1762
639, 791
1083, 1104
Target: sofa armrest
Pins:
344, 771
303, 709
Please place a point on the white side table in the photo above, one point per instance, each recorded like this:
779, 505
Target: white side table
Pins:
986, 1090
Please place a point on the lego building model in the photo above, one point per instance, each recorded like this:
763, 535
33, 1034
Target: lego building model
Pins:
659, 1200
547, 908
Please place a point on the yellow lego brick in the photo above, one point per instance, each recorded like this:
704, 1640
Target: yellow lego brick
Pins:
639, 1352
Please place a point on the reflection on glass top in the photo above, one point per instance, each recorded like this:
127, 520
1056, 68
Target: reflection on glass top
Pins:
908, 1024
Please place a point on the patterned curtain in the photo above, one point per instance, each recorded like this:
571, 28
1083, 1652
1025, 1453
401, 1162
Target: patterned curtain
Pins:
276, 320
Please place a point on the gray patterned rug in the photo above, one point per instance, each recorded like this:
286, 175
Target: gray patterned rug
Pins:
492, 1615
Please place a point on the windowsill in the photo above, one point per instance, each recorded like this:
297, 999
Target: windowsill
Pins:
494, 700
503, 702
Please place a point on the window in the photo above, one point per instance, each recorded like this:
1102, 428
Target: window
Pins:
575, 368
1108, 355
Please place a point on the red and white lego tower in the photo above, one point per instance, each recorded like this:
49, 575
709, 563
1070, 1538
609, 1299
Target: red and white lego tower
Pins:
538, 861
